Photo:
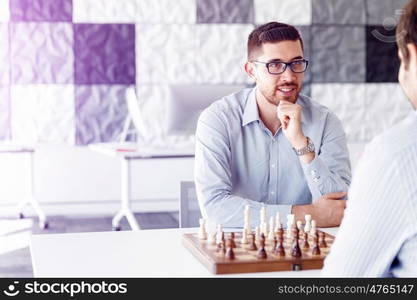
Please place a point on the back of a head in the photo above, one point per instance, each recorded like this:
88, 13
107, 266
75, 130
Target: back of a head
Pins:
407, 28
270, 33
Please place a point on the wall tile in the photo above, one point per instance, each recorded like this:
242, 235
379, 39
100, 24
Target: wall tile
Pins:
305, 33
348, 102
48, 58
104, 53
105, 11
338, 12
166, 53
222, 53
225, 11
4, 112
4, 54
41, 10
294, 12
43, 113
338, 54
101, 111
382, 62
166, 12
4, 11
382, 12
387, 105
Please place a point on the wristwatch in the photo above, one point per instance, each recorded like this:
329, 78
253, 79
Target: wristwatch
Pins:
307, 149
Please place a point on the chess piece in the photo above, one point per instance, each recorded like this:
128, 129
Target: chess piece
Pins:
277, 219
274, 244
202, 233
257, 233
290, 222
232, 240
264, 228
229, 249
252, 245
305, 245
313, 228
316, 248
219, 233
247, 219
262, 253
322, 240
221, 247
300, 226
262, 214
244, 239
307, 227
295, 248
271, 233
279, 249
211, 238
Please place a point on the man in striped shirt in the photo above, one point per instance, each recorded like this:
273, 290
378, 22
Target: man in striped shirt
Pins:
378, 234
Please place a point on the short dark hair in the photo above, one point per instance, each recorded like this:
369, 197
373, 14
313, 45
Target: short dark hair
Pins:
269, 33
407, 29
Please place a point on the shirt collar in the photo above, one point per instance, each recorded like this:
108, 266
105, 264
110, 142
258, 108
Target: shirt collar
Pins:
250, 113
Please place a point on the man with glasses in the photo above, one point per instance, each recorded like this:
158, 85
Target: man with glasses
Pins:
270, 146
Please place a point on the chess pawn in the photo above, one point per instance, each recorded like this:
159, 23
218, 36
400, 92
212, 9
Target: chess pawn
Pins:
300, 226
202, 233
262, 214
247, 220
290, 222
264, 228
278, 226
221, 247
219, 234
229, 249
277, 219
307, 227
252, 245
322, 242
313, 228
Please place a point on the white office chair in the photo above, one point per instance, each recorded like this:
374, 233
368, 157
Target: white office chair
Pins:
189, 212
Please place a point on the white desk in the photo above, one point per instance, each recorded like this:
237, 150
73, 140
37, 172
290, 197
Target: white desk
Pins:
126, 153
145, 253
11, 148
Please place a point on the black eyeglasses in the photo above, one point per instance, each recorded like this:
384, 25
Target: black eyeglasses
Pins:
279, 67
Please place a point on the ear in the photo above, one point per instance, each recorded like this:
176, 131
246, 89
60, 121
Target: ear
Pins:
412, 63
250, 70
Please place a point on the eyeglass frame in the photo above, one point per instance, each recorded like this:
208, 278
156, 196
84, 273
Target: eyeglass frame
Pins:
283, 62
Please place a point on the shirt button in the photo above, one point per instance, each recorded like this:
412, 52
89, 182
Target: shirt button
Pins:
272, 193
273, 166
313, 172
316, 179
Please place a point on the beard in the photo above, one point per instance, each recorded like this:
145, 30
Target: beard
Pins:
274, 99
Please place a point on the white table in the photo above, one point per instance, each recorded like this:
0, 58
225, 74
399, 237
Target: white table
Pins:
11, 148
145, 253
126, 153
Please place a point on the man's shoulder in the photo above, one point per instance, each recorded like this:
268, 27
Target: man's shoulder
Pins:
229, 105
397, 139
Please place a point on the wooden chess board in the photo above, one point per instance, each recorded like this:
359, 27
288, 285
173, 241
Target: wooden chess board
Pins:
246, 261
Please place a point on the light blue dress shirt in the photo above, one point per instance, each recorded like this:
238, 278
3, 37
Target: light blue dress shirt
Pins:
238, 161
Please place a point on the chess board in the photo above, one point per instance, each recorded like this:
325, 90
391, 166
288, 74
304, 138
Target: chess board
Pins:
246, 261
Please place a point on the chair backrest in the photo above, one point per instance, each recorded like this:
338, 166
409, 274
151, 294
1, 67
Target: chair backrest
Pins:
189, 212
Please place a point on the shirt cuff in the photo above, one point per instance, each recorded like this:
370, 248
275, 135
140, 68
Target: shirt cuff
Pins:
315, 171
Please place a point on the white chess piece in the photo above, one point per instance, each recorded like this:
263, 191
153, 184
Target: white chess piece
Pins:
211, 238
264, 228
313, 227
262, 216
202, 233
244, 239
277, 219
290, 222
271, 232
219, 233
300, 225
247, 219
257, 233
307, 227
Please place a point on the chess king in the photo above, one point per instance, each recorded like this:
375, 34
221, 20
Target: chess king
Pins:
270, 145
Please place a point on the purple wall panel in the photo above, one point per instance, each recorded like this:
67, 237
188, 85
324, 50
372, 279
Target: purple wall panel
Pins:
104, 53
100, 113
41, 10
